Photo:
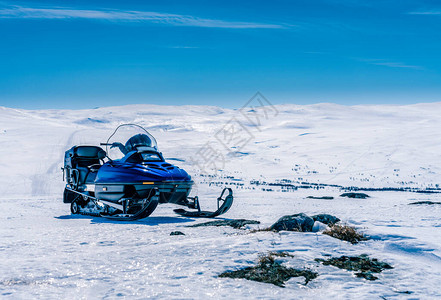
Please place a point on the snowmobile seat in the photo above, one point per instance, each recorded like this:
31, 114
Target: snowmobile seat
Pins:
87, 160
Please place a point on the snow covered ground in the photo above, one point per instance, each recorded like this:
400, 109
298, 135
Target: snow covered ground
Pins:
47, 253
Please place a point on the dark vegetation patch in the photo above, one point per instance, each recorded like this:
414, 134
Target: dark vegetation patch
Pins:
345, 233
355, 195
363, 265
280, 254
233, 223
321, 198
424, 202
287, 185
270, 271
177, 233
262, 229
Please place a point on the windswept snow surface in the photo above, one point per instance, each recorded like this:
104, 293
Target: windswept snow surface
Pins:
47, 253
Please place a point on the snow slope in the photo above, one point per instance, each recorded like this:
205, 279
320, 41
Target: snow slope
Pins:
47, 253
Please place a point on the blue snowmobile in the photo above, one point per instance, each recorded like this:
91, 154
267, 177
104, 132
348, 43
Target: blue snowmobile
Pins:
128, 181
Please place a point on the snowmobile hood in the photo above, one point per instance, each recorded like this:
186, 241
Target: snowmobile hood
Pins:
123, 172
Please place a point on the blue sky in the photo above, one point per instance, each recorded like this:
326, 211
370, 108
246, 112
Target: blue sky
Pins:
85, 54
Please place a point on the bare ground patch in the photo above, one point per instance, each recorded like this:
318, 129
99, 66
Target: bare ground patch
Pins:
268, 270
363, 265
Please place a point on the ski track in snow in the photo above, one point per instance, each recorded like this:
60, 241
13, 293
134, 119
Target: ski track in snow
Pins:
47, 253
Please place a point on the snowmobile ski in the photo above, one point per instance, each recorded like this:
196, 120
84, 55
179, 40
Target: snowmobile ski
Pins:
227, 202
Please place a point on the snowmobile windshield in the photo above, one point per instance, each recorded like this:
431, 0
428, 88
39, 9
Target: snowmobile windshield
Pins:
127, 138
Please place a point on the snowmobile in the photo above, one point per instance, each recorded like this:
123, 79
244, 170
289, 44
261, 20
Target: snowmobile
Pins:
128, 181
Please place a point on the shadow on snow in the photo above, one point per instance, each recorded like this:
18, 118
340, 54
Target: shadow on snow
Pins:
150, 221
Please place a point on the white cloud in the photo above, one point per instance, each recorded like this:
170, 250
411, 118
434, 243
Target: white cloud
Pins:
184, 47
19, 12
425, 13
396, 65
390, 64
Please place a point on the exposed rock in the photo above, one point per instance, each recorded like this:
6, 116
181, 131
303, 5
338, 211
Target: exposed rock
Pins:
321, 198
326, 219
424, 202
177, 233
270, 271
233, 223
355, 195
362, 264
297, 222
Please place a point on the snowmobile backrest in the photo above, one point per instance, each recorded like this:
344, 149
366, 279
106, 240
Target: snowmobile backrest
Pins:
83, 156
91, 152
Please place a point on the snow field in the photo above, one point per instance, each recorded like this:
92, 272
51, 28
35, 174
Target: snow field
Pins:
47, 253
